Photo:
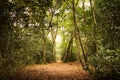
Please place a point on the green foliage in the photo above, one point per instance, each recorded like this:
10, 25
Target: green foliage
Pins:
107, 59
108, 21
107, 63
21, 37
25, 48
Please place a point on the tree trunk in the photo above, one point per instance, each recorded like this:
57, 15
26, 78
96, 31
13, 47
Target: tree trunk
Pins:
85, 44
54, 35
95, 25
69, 47
76, 32
44, 46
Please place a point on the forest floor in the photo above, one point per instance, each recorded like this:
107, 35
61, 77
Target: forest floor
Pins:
53, 71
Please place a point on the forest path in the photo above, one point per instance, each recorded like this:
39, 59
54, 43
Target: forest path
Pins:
53, 71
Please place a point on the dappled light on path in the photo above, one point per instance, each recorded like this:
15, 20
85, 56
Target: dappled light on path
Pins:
53, 71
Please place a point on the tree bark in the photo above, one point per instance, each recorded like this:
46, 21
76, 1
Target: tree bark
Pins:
95, 25
76, 32
85, 44
44, 46
69, 47
54, 35
45, 34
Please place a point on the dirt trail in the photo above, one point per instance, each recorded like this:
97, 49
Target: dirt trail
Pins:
53, 71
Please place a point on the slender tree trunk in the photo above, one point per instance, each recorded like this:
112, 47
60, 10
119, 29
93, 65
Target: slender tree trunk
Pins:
76, 32
78, 51
69, 47
44, 50
54, 35
53, 42
44, 46
71, 51
85, 45
45, 34
84, 25
80, 43
95, 25
95, 31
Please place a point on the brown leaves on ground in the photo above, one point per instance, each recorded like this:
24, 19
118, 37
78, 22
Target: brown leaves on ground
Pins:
53, 71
